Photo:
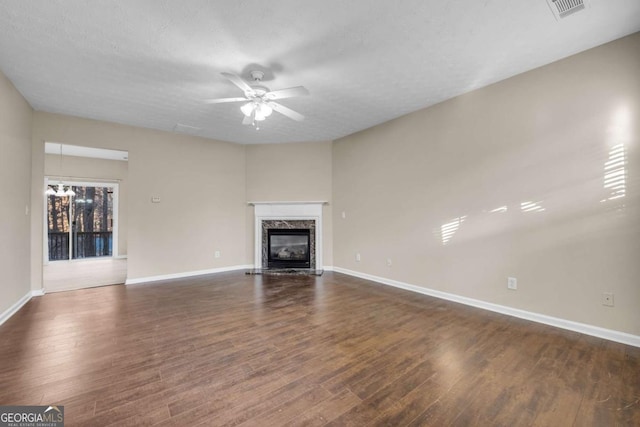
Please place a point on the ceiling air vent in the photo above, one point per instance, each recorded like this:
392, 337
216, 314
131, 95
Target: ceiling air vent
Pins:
189, 130
564, 8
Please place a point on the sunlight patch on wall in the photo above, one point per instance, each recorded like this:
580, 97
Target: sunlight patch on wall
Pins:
450, 228
615, 166
531, 207
501, 209
614, 173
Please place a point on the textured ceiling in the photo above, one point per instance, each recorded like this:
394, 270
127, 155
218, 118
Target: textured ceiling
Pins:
151, 63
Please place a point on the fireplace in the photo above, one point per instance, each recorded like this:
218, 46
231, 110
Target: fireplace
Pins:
288, 244
290, 225
288, 248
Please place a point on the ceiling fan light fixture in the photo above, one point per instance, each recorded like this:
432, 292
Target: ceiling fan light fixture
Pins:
247, 109
264, 109
50, 191
69, 192
259, 101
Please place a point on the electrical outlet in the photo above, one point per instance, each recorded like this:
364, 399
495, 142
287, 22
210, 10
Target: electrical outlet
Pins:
216, 254
512, 283
607, 299
358, 257
389, 263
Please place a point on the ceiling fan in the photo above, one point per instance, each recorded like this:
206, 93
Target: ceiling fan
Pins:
260, 100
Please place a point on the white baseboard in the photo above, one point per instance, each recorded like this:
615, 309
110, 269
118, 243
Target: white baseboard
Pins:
328, 268
51, 290
18, 305
608, 334
38, 293
185, 274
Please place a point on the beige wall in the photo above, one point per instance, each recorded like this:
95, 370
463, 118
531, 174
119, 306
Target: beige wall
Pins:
15, 163
543, 137
95, 170
290, 172
201, 184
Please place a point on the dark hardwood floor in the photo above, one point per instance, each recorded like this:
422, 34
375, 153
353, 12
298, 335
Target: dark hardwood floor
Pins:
231, 349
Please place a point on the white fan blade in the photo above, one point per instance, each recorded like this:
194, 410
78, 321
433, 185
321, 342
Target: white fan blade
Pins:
287, 93
286, 111
237, 80
222, 100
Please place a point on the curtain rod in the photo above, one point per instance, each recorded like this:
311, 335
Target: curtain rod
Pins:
83, 178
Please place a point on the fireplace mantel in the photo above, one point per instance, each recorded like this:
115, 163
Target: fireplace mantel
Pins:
288, 211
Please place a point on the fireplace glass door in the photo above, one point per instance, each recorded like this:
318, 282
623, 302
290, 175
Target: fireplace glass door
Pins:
289, 248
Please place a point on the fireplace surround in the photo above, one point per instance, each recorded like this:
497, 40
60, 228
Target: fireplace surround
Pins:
287, 216
284, 226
